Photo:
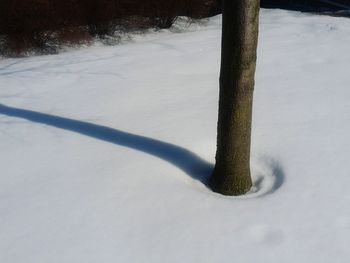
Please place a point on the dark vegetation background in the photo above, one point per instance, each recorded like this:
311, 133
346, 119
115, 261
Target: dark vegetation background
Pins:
44, 25
305, 5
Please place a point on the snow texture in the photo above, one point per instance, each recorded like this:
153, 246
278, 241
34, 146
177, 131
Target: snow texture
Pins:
105, 151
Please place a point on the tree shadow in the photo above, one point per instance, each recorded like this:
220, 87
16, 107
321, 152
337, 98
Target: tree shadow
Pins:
190, 163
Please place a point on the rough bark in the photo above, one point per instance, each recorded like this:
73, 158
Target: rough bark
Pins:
231, 175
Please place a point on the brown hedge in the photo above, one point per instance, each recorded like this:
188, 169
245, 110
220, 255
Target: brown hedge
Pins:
43, 25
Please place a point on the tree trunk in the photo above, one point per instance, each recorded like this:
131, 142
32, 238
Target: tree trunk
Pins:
240, 26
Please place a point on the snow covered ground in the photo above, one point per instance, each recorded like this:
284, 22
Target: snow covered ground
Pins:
104, 151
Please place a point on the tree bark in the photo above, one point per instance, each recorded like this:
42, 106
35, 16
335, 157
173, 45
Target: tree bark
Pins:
240, 26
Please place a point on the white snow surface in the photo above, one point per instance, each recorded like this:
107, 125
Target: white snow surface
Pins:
105, 150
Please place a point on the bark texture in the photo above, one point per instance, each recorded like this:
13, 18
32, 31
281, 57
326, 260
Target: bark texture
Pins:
240, 28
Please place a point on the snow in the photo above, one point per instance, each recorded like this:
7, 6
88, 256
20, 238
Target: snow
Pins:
105, 150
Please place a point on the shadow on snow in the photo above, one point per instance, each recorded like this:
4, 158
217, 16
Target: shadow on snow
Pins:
190, 163
182, 158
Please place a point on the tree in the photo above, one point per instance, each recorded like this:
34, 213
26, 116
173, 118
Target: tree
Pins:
231, 175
